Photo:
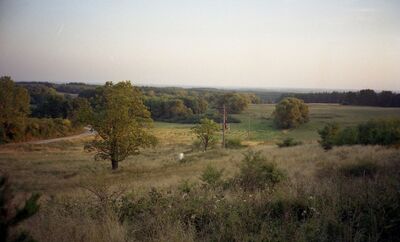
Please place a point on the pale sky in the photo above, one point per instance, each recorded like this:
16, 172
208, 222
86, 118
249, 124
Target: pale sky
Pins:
341, 44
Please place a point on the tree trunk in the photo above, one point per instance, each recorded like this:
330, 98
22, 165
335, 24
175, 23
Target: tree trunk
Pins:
205, 144
114, 164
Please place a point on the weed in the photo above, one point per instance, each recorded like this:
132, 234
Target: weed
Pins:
288, 142
257, 173
212, 176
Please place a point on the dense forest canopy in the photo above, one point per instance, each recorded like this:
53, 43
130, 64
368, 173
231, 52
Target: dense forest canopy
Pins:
169, 104
366, 97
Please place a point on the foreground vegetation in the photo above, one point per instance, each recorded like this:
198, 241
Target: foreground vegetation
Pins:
301, 193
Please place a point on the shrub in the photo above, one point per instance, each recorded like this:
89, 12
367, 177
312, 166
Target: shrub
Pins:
10, 218
360, 169
186, 186
328, 135
288, 142
382, 132
347, 136
257, 173
198, 146
47, 128
233, 143
374, 132
296, 207
212, 176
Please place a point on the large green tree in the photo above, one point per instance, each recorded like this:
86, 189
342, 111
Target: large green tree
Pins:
234, 102
122, 123
205, 132
290, 113
14, 109
80, 111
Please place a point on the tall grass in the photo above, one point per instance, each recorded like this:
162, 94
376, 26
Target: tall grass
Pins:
351, 196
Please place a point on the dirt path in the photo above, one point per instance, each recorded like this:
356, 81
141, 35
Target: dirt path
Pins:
87, 132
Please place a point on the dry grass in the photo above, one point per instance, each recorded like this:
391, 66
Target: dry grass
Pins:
59, 168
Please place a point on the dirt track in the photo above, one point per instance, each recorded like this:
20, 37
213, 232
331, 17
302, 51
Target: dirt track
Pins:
46, 141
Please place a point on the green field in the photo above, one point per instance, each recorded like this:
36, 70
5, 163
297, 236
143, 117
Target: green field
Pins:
257, 125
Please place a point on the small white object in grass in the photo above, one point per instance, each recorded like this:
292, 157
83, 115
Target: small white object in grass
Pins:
181, 156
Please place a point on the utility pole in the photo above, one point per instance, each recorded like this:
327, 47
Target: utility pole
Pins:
223, 125
248, 127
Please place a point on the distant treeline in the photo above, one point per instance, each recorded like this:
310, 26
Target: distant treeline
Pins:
70, 88
187, 105
366, 97
168, 104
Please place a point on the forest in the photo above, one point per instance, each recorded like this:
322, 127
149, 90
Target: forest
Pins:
365, 97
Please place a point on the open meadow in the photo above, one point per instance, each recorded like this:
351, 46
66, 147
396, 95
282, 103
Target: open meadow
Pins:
257, 125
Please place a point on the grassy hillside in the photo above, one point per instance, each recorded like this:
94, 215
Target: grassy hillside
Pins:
63, 173
346, 194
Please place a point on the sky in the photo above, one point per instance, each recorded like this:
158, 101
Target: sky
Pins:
341, 44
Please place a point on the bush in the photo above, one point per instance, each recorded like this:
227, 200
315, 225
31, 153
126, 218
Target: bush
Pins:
360, 169
328, 135
257, 173
9, 218
212, 176
288, 142
381, 132
47, 128
233, 143
296, 207
373, 132
186, 186
347, 136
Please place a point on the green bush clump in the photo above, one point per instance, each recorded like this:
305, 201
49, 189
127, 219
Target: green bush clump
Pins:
47, 127
257, 173
298, 208
233, 143
212, 176
373, 132
328, 135
380, 132
288, 142
186, 186
10, 219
